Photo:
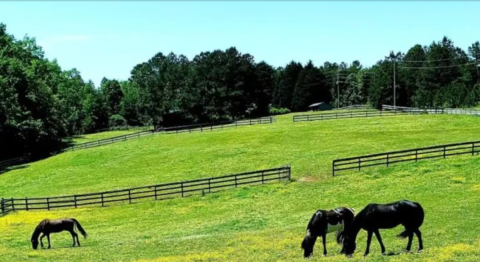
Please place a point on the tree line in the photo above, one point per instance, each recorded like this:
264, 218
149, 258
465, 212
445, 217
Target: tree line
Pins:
41, 104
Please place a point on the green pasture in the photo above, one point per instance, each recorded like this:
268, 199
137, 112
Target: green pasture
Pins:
258, 223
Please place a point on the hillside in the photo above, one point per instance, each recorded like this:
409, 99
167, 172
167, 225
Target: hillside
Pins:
264, 223
308, 146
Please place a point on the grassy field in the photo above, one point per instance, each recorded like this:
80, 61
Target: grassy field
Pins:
262, 223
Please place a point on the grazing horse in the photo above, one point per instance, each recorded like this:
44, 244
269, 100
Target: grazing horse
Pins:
384, 216
48, 226
324, 222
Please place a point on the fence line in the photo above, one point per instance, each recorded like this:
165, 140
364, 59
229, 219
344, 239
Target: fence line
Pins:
13, 161
172, 130
355, 107
117, 128
453, 111
156, 192
416, 154
340, 115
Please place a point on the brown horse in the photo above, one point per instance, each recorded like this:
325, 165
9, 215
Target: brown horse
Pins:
48, 226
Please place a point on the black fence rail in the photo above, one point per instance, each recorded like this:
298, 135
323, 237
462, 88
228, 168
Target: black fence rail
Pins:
176, 130
216, 126
451, 111
5, 164
389, 158
339, 115
11, 162
110, 140
153, 192
355, 107
118, 128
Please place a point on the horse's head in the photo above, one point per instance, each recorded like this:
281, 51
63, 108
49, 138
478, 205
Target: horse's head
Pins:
349, 245
308, 243
34, 244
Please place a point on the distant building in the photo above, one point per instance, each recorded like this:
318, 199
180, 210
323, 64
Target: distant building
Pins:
320, 106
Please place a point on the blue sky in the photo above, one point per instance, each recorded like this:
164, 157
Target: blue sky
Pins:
109, 38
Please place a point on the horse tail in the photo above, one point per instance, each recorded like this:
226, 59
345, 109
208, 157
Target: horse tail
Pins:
404, 234
80, 228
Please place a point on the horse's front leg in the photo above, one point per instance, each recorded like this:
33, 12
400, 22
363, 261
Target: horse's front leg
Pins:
369, 239
41, 240
410, 238
324, 236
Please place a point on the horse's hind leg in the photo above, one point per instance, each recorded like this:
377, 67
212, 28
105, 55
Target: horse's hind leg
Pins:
420, 241
74, 235
324, 244
48, 238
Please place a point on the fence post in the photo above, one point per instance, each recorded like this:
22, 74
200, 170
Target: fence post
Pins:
155, 190
181, 187
101, 195
250, 121
48, 203
263, 178
2, 205
26, 203
444, 152
473, 148
129, 196
416, 155
209, 187
75, 200
387, 159
235, 181
307, 118
333, 168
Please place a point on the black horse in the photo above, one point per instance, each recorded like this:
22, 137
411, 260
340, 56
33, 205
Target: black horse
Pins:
324, 222
48, 226
382, 216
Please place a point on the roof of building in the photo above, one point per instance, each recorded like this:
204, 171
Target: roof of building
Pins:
316, 104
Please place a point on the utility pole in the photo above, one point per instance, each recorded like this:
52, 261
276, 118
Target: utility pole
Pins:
394, 85
338, 88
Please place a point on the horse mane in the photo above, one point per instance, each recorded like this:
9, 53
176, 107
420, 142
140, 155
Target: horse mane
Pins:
39, 229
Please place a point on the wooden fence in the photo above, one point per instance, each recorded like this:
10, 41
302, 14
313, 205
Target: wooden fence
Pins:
117, 128
107, 141
216, 126
364, 107
356, 114
153, 192
11, 162
389, 158
451, 111
172, 130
